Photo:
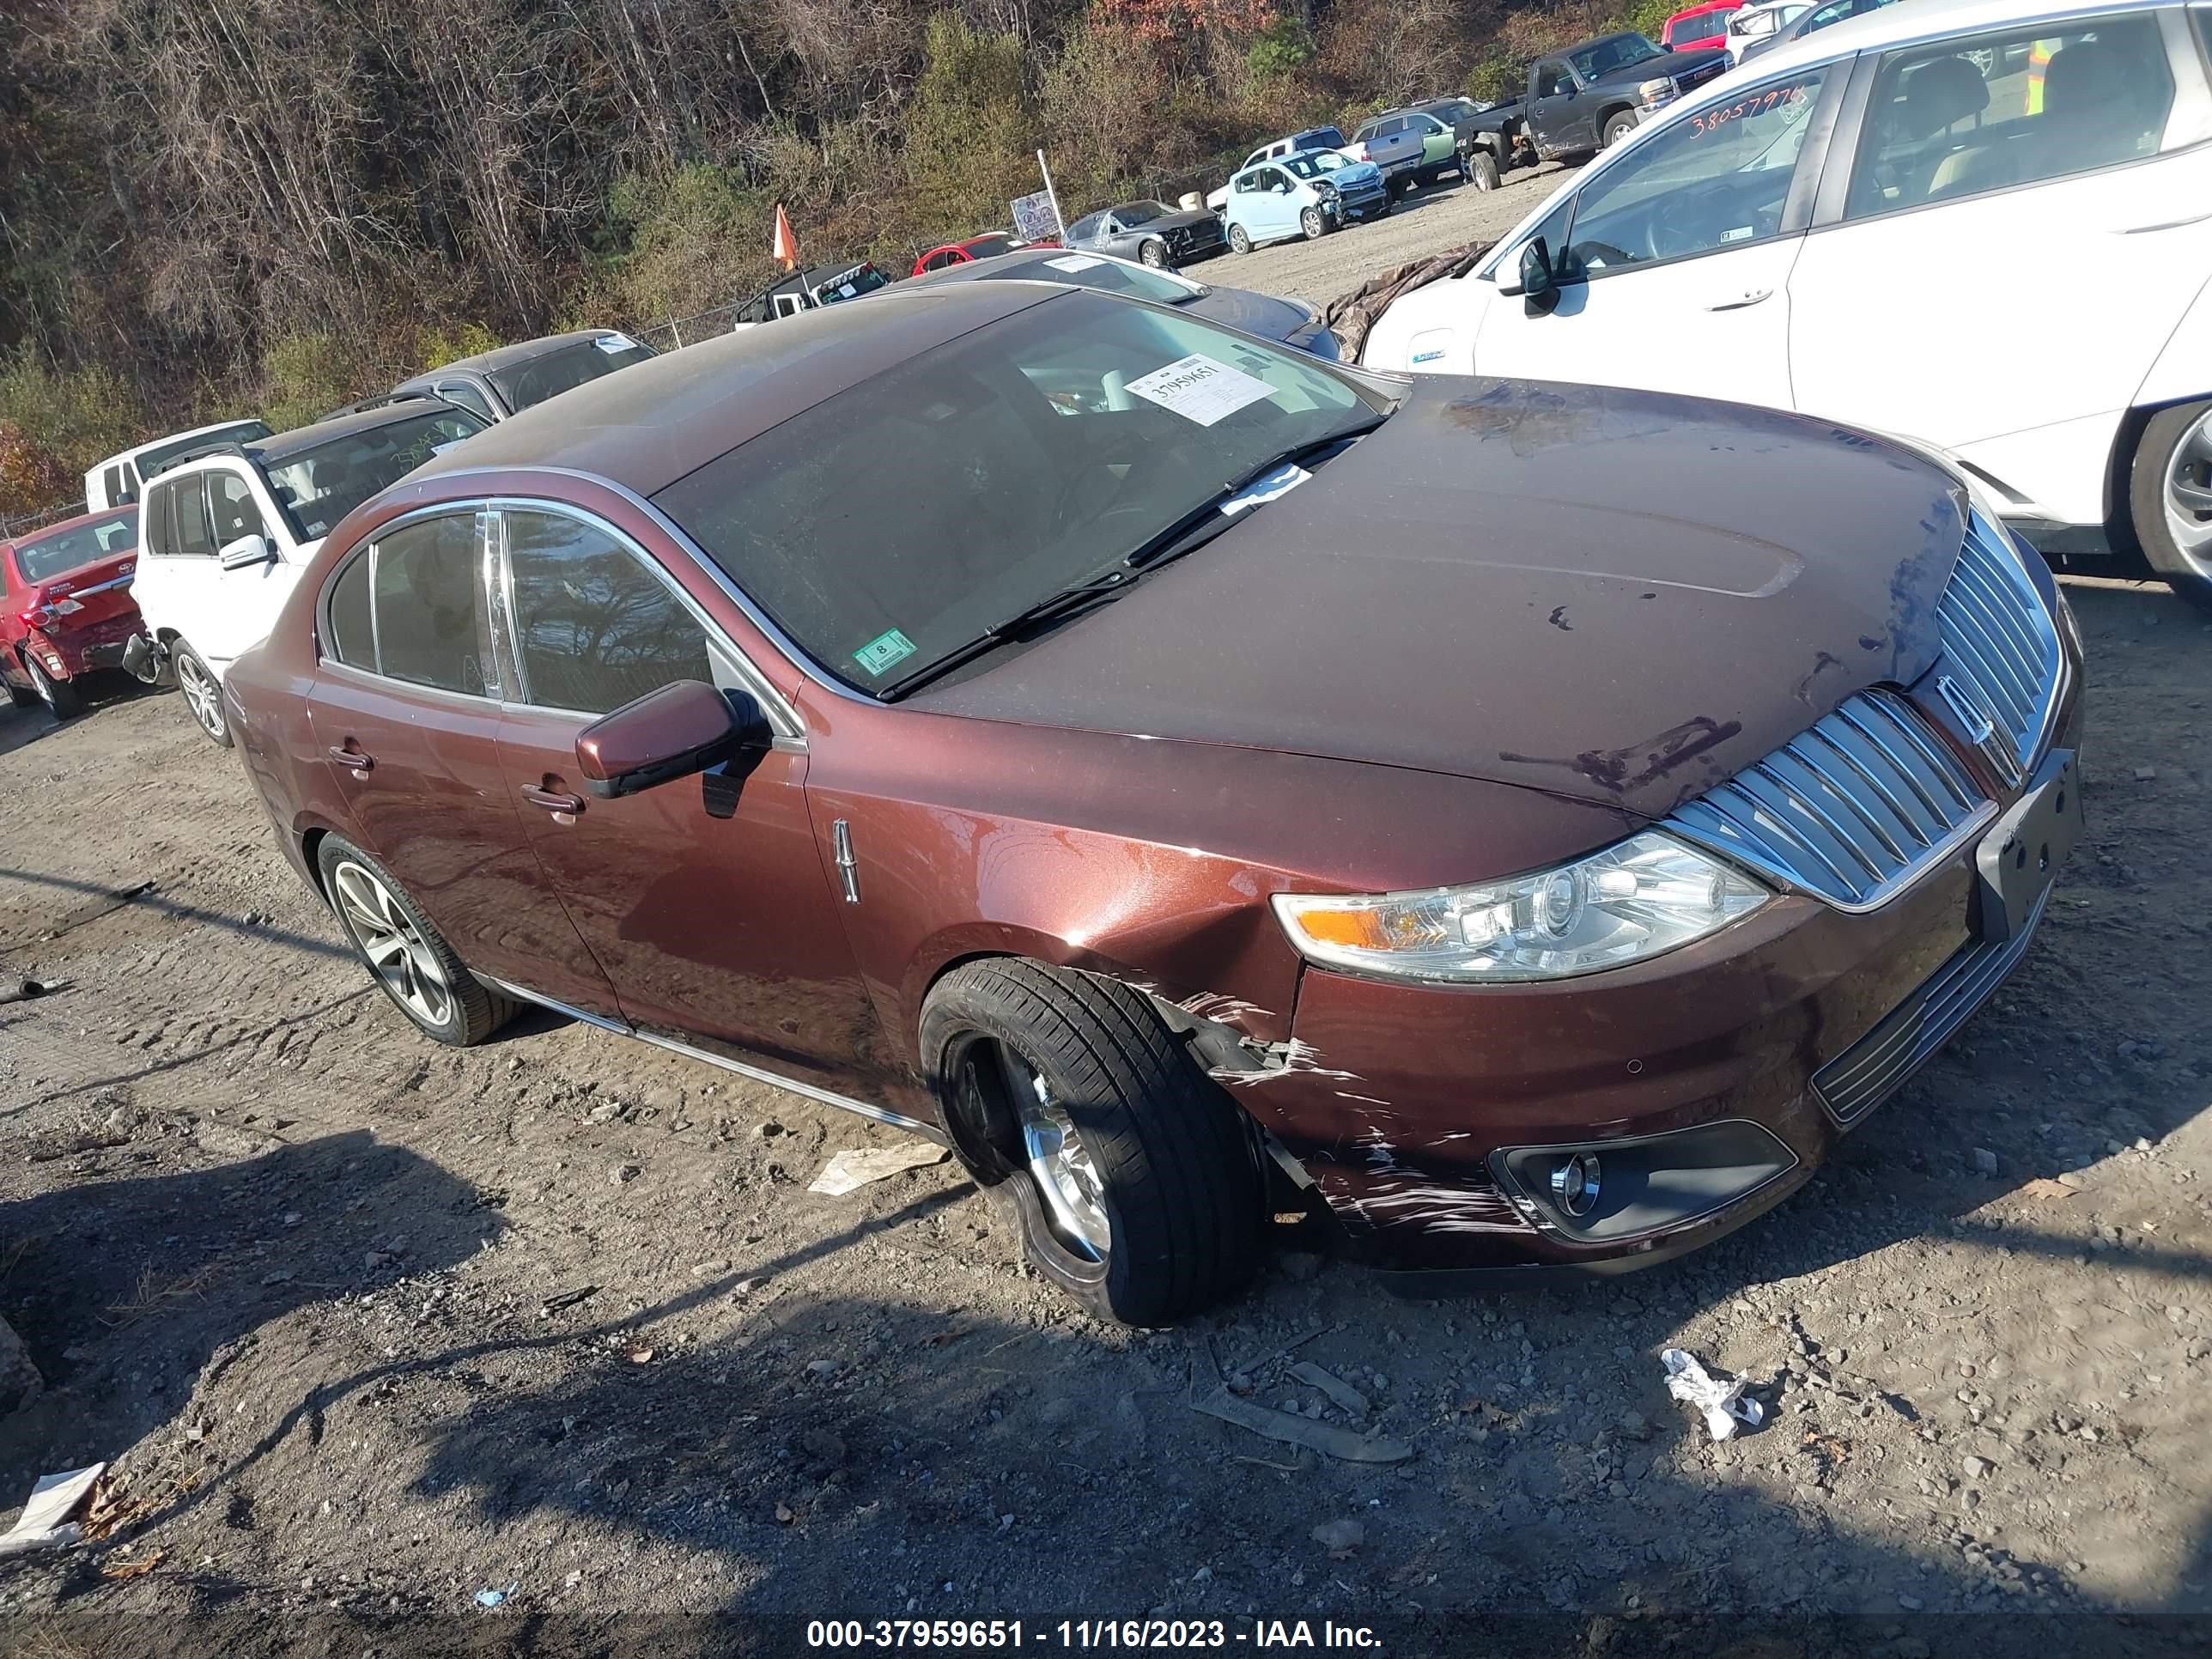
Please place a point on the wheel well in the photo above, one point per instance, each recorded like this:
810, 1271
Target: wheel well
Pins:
310, 846
1612, 110
2119, 523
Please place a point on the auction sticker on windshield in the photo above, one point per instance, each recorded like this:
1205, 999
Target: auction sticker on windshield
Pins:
1074, 261
1199, 389
887, 648
611, 344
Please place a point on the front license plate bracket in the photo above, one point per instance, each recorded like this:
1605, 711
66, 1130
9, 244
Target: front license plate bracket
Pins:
2019, 858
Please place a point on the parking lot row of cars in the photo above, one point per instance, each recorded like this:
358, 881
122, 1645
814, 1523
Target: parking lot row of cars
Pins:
1528, 824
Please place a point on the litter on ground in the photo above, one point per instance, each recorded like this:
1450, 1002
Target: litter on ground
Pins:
856, 1167
1724, 1404
45, 1524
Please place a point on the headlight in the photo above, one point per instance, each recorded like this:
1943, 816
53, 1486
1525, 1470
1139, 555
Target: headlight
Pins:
1652, 93
1649, 894
1322, 187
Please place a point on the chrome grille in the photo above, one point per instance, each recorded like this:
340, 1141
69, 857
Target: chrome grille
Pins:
1999, 640
1871, 1069
1851, 810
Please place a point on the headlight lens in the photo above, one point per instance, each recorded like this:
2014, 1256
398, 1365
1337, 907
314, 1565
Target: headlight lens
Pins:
1652, 93
1649, 894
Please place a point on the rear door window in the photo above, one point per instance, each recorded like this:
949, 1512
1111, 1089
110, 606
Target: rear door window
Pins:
195, 534
352, 637
2019, 108
429, 628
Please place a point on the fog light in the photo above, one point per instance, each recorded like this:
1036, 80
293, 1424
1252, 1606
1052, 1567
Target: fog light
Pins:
1575, 1183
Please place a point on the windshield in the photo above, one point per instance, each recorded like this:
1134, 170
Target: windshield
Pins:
1107, 276
1610, 56
1000, 467
1138, 213
80, 544
850, 285
1328, 160
318, 486
526, 385
153, 457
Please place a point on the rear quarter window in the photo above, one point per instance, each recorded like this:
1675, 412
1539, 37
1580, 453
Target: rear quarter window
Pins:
351, 640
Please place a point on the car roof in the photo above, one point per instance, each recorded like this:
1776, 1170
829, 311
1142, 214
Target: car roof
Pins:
652, 424
136, 450
1922, 19
285, 445
507, 357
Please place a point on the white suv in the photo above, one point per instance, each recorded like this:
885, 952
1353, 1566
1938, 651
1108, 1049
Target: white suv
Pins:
120, 477
225, 530
1982, 224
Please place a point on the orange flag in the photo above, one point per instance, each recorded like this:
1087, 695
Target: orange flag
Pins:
786, 247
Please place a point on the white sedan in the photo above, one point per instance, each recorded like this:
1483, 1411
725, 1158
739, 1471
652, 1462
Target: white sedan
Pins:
1984, 226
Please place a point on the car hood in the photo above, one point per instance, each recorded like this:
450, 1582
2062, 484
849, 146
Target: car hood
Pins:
1255, 314
1617, 596
1671, 64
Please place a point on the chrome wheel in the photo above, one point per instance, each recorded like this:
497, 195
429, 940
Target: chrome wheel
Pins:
396, 951
202, 694
1066, 1178
2188, 496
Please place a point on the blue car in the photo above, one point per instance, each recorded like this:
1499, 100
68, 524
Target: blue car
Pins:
1308, 195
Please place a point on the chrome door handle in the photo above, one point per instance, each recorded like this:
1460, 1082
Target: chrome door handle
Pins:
553, 801
347, 756
1750, 296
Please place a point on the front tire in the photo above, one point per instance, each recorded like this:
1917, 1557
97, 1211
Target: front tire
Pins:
61, 698
2170, 499
407, 957
1482, 171
1618, 126
1154, 254
1133, 1177
202, 693
1314, 223
1240, 240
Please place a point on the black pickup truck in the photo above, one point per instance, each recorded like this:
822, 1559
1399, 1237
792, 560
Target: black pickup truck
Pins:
1587, 99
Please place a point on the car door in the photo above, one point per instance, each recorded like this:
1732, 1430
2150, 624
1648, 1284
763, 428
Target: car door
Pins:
1436, 137
707, 899
177, 581
1561, 121
1677, 254
1272, 210
245, 601
406, 713
2095, 175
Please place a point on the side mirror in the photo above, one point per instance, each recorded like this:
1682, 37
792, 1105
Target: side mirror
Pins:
245, 552
667, 734
1540, 282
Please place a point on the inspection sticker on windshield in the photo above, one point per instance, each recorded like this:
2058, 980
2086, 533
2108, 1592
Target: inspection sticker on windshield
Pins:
1199, 389
610, 343
1074, 261
883, 650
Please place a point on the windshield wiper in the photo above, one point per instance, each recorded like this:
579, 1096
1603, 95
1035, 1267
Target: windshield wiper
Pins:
1053, 607
1195, 529
1208, 519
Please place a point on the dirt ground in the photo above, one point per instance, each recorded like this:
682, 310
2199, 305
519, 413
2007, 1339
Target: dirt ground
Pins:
366, 1327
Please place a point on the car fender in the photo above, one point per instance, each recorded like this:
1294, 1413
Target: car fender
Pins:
1430, 331
2183, 370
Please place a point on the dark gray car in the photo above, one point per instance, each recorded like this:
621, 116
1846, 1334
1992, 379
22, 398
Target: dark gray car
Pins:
1291, 322
1151, 232
495, 384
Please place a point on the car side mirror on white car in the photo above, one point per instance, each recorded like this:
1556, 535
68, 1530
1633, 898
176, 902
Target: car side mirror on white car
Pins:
246, 551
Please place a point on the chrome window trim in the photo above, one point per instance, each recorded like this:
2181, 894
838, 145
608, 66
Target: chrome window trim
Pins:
781, 717
716, 577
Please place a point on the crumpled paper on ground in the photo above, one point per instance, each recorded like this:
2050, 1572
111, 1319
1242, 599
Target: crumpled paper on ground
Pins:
1725, 1408
852, 1170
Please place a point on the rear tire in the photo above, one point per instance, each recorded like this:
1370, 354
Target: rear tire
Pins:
21, 696
2170, 499
406, 955
202, 693
1240, 240
1132, 1177
1482, 171
60, 697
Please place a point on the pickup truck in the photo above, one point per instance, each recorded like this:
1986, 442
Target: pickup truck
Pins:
1409, 148
1587, 99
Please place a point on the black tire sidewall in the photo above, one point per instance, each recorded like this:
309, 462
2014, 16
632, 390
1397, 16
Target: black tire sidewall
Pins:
1313, 224
2147, 500
1240, 240
61, 698
1484, 172
1153, 253
178, 653
477, 1012
1616, 128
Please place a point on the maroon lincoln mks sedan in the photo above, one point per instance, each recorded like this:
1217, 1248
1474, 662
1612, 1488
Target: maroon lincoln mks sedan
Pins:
1534, 821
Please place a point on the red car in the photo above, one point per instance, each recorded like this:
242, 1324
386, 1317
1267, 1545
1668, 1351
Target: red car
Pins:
67, 610
990, 243
1700, 27
1193, 780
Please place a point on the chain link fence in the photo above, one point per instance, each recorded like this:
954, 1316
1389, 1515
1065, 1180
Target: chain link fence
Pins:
21, 524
